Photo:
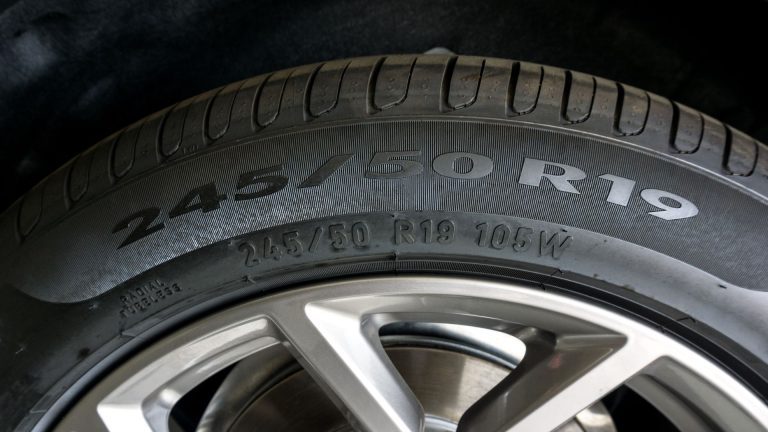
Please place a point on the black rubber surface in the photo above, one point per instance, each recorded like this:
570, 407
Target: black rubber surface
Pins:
404, 163
74, 71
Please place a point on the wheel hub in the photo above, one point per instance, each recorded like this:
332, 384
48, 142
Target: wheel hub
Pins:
446, 382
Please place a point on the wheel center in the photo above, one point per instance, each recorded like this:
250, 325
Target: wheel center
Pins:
447, 375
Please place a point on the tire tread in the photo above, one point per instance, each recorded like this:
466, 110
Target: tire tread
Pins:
389, 86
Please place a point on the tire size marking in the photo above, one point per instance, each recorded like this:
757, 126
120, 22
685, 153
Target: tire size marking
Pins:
427, 231
520, 239
293, 244
140, 299
404, 235
393, 166
414, 234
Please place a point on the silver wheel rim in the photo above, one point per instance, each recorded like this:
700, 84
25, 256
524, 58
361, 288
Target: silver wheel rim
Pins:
575, 354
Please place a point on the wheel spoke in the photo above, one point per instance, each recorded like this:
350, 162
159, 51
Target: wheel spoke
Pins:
557, 379
340, 348
575, 353
144, 401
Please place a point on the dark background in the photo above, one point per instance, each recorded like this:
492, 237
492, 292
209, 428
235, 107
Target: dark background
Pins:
72, 72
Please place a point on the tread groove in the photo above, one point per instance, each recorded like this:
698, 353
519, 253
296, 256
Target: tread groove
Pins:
206, 126
370, 91
445, 85
566, 95
159, 135
111, 156
675, 124
727, 150
513, 77
306, 102
255, 127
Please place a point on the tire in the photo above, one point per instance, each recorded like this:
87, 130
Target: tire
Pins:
400, 164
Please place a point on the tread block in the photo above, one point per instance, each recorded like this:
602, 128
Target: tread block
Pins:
270, 97
493, 89
100, 177
54, 203
632, 110
123, 151
761, 168
742, 154
221, 110
324, 94
79, 173
603, 107
356, 88
147, 145
391, 87
713, 137
525, 87
173, 129
579, 96
294, 104
427, 86
465, 81
657, 132
195, 136
689, 129
243, 106
30, 209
